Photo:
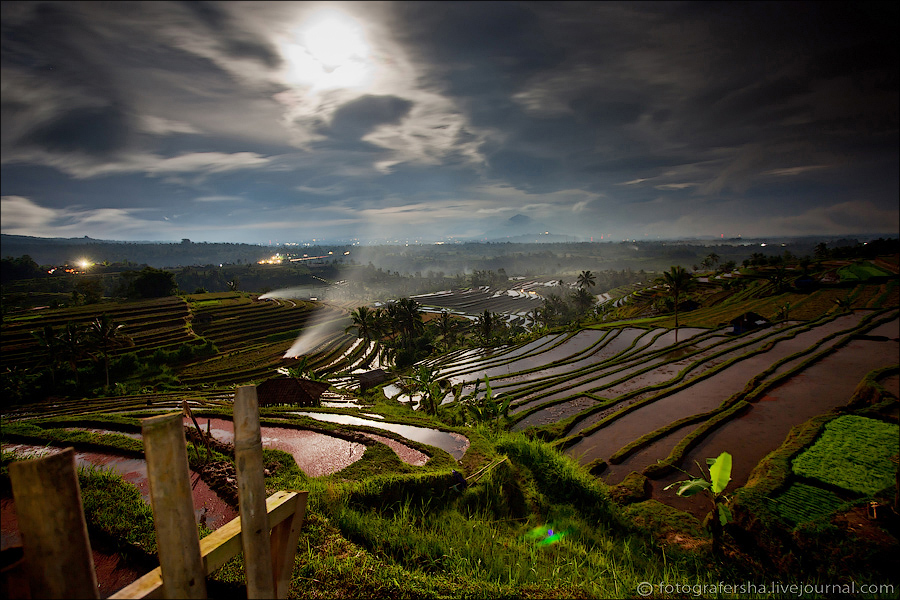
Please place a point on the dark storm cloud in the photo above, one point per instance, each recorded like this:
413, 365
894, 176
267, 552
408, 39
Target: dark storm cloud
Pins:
235, 42
643, 118
353, 120
74, 105
95, 131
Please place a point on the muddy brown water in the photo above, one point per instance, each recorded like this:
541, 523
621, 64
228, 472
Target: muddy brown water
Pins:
315, 453
818, 389
701, 396
112, 571
453, 443
134, 470
570, 348
618, 382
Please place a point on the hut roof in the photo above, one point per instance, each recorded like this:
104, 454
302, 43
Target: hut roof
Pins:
370, 378
290, 390
750, 319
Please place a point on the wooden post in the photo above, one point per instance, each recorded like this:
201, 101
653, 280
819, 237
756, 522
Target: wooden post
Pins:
285, 537
58, 558
182, 569
248, 461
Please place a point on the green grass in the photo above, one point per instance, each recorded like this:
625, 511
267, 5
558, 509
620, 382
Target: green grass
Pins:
114, 507
801, 502
853, 453
861, 272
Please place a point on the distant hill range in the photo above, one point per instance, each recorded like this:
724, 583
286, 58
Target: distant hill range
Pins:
525, 230
60, 251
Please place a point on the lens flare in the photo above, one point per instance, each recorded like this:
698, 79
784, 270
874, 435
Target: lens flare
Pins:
545, 535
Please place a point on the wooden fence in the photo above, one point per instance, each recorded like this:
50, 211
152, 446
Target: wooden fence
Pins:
57, 552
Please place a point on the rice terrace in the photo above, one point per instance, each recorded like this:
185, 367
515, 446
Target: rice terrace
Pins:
584, 433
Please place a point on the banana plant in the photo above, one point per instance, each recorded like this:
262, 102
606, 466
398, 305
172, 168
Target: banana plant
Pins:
486, 410
719, 471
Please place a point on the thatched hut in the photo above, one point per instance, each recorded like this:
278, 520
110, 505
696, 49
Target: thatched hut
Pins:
748, 321
370, 379
291, 391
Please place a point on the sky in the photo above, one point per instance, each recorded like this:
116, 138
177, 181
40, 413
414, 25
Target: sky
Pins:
288, 122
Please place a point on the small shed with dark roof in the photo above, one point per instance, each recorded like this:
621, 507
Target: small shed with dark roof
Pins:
370, 378
290, 390
748, 321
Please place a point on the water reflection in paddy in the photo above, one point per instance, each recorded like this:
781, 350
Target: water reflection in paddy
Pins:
307, 447
207, 503
453, 443
316, 454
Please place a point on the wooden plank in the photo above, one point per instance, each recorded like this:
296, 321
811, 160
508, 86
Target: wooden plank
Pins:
248, 460
222, 545
173, 507
57, 550
285, 537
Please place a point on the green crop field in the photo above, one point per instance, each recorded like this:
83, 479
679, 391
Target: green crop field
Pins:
861, 272
801, 502
853, 453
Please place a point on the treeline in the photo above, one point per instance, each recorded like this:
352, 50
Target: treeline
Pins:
93, 359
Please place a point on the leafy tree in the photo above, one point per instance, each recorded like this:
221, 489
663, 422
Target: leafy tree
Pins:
23, 267
150, 283
554, 310
586, 279
843, 304
676, 282
90, 289
408, 339
778, 278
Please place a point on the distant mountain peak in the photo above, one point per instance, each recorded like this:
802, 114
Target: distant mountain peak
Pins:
520, 220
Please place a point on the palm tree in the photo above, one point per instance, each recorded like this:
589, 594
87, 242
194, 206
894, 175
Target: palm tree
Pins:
410, 319
486, 323
446, 325
49, 342
71, 347
676, 281
586, 279
107, 335
365, 322
583, 299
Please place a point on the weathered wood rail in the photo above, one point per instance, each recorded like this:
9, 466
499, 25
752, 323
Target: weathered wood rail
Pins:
57, 554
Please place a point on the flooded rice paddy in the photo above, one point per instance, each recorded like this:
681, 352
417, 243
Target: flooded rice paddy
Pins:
207, 504
454, 444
